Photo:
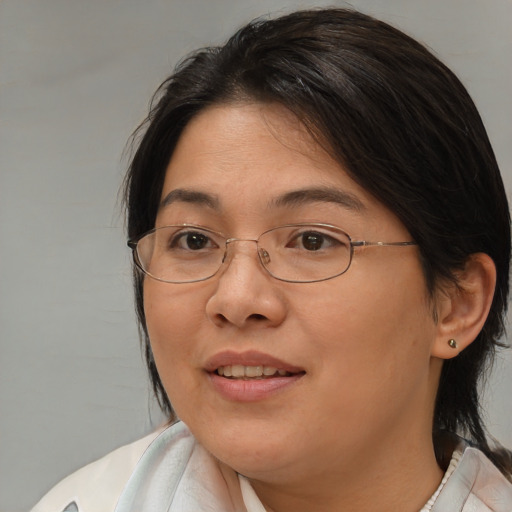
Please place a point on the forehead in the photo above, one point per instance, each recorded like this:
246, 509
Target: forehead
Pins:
251, 158
239, 145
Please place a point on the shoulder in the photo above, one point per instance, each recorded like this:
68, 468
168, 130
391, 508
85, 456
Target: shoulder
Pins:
476, 485
490, 487
98, 485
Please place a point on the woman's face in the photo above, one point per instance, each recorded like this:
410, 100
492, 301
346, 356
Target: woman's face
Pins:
356, 348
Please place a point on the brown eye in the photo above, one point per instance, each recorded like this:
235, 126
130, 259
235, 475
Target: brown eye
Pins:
191, 241
313, 241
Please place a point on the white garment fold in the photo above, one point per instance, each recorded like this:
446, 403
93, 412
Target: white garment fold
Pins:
176, 474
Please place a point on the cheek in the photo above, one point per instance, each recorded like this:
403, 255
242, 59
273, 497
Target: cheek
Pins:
374, 325
172, 318
171, 307
370, 346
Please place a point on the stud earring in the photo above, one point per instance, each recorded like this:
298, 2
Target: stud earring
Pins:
452, 343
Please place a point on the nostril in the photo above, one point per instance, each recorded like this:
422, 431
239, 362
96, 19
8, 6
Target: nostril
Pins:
257, 317
222, 320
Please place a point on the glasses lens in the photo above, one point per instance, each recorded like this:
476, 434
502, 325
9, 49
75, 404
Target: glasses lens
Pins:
305, 253
180, 254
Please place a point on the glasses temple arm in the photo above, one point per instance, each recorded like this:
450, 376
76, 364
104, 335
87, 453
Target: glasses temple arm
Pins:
364, 243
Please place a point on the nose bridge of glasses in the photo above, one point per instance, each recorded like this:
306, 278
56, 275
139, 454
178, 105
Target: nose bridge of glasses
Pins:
231, 240
262, 253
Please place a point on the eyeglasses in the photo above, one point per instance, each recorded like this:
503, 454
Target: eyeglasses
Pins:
295, 253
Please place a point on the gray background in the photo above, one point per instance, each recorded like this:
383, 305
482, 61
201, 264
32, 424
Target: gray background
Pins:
76, 77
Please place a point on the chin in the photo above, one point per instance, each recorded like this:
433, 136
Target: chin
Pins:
248, 447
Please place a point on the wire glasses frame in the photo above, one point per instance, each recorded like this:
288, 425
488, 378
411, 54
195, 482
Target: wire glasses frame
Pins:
294, 253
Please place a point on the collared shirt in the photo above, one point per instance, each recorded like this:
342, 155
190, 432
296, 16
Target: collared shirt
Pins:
172, 472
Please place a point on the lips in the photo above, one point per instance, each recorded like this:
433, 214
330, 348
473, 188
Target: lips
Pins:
238, 371
251, 376
251, 360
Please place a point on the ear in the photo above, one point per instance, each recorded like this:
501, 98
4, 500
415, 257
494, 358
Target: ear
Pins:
462, 309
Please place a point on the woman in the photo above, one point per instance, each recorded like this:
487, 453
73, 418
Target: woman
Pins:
322, 240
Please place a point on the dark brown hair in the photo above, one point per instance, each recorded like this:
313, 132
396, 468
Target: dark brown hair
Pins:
400, 123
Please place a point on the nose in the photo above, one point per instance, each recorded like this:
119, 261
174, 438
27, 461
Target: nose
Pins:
245, 294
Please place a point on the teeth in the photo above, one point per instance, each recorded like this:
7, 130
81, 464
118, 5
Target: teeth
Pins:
253, 371
238, 371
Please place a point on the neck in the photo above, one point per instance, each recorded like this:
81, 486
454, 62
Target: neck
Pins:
401, 477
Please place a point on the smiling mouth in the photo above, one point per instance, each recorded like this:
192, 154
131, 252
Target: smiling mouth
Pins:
238, 371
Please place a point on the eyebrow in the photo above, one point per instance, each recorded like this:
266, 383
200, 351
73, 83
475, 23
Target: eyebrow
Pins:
190, 196
293, 198
319, 195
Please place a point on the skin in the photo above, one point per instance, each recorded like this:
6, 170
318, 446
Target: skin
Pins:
362, 412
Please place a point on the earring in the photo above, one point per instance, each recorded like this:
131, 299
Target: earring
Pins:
452, 343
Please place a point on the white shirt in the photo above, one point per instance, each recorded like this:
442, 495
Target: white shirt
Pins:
171, 472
